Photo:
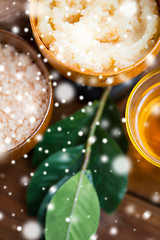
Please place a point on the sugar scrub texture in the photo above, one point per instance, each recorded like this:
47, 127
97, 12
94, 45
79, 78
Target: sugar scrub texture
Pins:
23, 97
98, 35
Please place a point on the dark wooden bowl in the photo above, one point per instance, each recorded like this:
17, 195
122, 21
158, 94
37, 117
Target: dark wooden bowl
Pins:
22, 46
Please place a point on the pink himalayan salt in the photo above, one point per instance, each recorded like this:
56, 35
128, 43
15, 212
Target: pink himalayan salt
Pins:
23, 97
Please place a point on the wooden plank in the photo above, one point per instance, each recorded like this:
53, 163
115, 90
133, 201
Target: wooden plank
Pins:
10, 9
6, 236
10, 222
129, 221
10, 177
131, 225
144, 178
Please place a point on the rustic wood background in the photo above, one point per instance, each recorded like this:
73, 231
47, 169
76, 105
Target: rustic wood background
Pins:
144, 181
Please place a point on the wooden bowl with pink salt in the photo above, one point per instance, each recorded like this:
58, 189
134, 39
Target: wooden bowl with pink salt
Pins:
26, 97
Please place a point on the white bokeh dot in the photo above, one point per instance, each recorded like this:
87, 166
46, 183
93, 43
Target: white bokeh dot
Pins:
53, 189
15, 29
1, 216
92, 139
2, 68
19, 228
94, 236
113, 231
146, 215
128, 9
31, 230
65, 91
104, 159
155, 198
67, 219
121, 165
104, 140
24, 180
50, 207
130, 209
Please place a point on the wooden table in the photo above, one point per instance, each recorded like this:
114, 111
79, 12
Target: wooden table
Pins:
144, 180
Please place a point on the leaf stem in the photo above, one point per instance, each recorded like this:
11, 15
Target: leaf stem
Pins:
93, 127
88, 151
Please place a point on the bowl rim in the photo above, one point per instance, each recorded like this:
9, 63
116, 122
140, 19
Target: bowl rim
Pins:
91, 73
50, 92
155, 162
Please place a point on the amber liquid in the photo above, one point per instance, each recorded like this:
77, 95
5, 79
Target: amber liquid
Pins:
148, 120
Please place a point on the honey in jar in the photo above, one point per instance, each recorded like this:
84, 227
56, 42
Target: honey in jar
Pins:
148, 119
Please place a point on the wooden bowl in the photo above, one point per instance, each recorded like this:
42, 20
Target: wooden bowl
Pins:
22, 46
89, 77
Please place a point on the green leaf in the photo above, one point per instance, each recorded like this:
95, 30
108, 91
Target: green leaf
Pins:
110, 186
65, 132
52, 191
111, 122
52, 170
74, 210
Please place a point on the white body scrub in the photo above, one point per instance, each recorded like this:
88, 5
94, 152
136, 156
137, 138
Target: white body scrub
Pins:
98, 35
23, 97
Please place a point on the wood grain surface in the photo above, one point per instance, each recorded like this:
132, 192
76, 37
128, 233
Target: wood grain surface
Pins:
144, 180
